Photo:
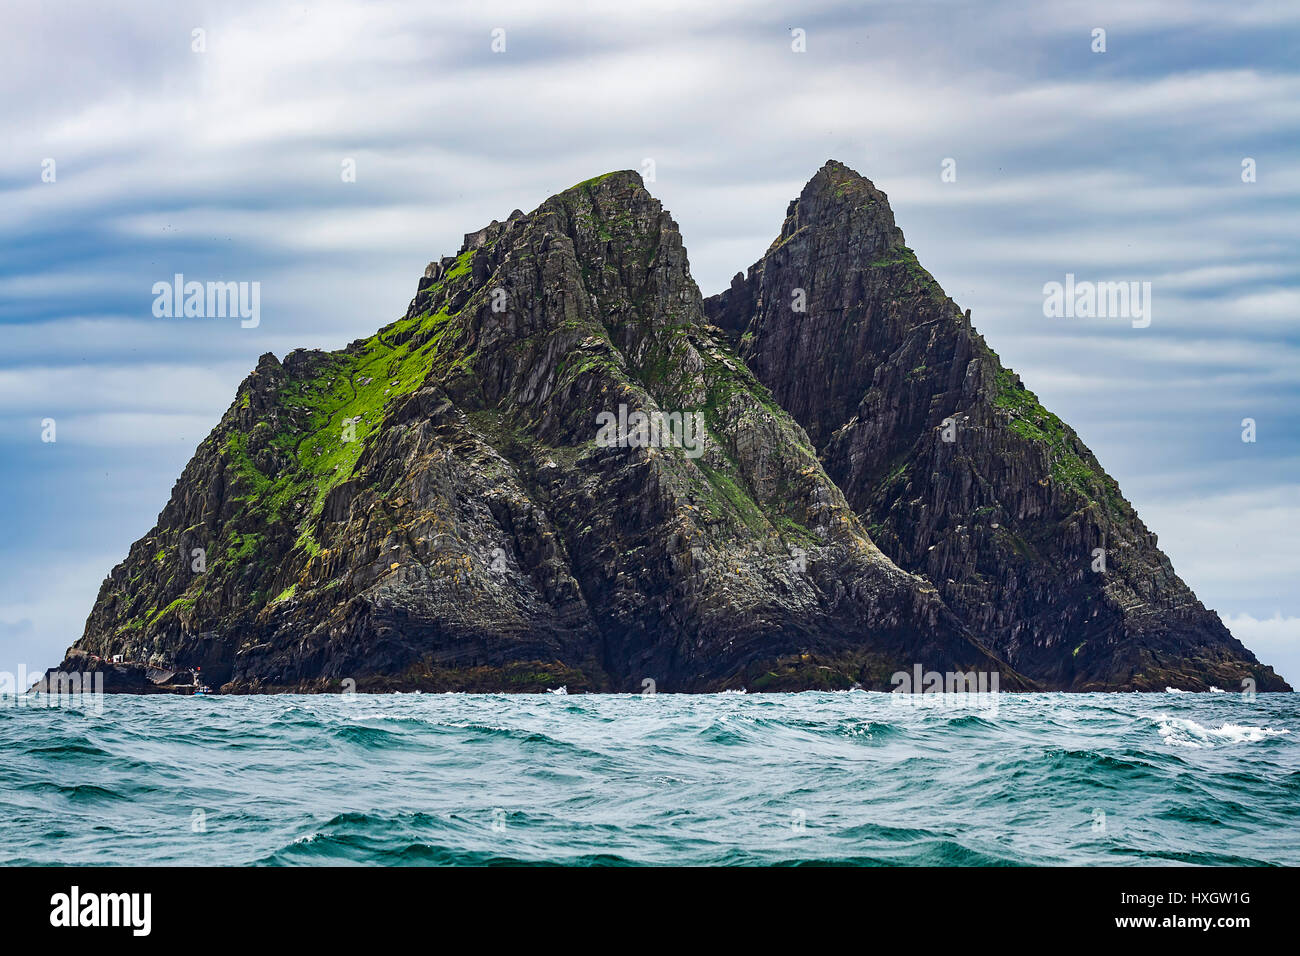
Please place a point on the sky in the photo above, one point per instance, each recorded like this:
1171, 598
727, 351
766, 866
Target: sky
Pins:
223, 154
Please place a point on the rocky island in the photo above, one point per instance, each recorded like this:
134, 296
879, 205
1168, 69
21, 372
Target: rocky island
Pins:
864, 488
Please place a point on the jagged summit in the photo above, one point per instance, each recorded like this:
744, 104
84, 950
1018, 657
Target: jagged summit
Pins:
553, 470
835, 190
956, 469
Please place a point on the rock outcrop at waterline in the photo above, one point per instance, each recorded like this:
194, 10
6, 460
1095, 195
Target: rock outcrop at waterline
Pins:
430, 507
957, 471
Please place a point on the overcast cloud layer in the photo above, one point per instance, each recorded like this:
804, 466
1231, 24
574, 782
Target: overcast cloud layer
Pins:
226, 164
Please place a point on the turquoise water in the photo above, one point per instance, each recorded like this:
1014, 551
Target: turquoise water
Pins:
717, 779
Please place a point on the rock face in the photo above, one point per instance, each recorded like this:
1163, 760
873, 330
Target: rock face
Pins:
554, 471
444, 505
957, 471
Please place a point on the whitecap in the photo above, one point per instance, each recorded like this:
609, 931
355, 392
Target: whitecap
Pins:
1182, 732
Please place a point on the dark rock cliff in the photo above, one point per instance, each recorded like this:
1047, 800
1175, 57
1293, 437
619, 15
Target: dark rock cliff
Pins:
431, 506
958, 472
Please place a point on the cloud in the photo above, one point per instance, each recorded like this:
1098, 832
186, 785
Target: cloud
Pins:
226, 164
15, 629
1275, 641
1230, 545
43, 608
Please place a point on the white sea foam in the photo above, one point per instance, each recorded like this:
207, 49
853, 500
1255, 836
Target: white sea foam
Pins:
1182, 732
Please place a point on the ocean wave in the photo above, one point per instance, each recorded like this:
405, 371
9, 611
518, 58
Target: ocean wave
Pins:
1185, 732
71, 749
594, 780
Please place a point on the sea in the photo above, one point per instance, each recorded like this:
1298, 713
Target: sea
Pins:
852, 778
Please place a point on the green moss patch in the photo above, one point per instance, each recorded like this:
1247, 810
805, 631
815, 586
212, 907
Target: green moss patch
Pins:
1034, 423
